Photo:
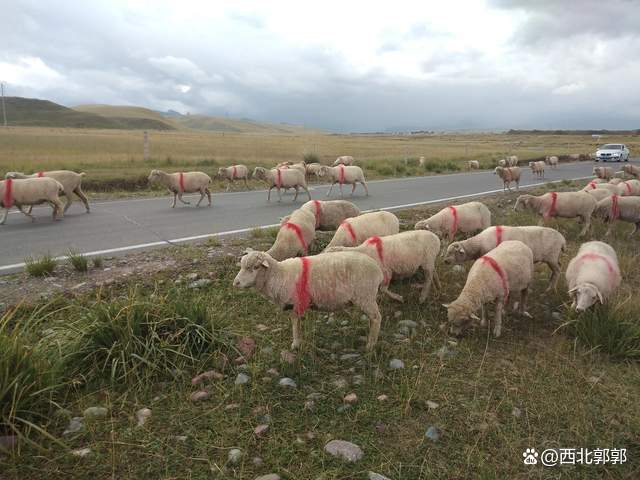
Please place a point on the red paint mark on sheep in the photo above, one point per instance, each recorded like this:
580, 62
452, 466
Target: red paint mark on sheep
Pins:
298, 231
456, 221
278, 178
501, 273
234, 172
40, 174
302, 297
552, 209
499, 231
316, 203
341, 168
181, 181
615, 209
592, 185
377, 242
628, 187
613, 271
349, 228
7, 199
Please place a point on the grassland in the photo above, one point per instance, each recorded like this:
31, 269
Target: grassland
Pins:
551, 382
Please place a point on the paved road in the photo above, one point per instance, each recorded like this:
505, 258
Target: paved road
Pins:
123, 225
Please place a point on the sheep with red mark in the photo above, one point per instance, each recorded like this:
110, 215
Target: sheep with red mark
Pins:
545, 243
327, 282
312, 169
611, 188
234, 173
560, 204
183, 182
279, 178
537, 168
401, 255
552, 161
295, 235
593, 275
28, 192
603, 172
599, 193
506, 271
632, 170
329, 214
465, 218
351, 175
630, 187
354, 231
343, 160
615, 207
508, 175
70, 181
473, 165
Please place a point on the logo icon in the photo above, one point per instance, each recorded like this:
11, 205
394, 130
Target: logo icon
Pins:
530, 456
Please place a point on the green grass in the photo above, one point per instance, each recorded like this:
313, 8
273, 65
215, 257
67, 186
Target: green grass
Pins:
79, 262
97, 262
40, 267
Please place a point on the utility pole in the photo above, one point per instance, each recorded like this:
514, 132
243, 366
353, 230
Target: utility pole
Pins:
4, 111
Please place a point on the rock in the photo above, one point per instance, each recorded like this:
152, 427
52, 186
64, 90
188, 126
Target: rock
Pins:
351, 398
199, 396
93, 413
309, 405
203, 282
556, 316
75, 425
235, 455
143, 415
458, 269
396, 364
257, 461
432, 405
81, 452
232, 406
345, 450
247, 346
288, 357
261, 327
270, 476
380, 427
344, 323
315, 396
242, 379
349, 356
408, 323
261, 430
287, 382
433, 433
208, 375
444, 353
273, 372
180, 438
383, 398
516, 412
377, 476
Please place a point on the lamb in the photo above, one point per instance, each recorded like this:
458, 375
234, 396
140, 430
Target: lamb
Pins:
505, 269
473, 165
465, 218
616, 207
325, 282
592, 275
295, 235
71, 182
632, 170
233, 173
552, 161
546, 244
343, 160
329, 214
29, 192
537, 168
401, 255
282, 178
508, 175
351, 175
560, 204
603, 172
183, 182
354, 231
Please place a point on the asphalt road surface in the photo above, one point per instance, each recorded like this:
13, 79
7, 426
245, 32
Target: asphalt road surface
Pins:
132, 224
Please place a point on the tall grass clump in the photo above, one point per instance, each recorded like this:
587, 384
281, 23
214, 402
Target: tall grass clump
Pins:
79, 262
311, 157
40, 267
98, 262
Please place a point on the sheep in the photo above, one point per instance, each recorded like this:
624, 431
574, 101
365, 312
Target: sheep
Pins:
329, 214
351, 175
354, 231
282, 178
301, 166
473, 165
507, 268
537, 168
632, 170
599, 193
560, 204
592, 275
233, 173
512, 160
616, 207
617, 178
284, 165
422, 161
295, 235
183, 182
617, 189
343, 160
631, 187
603, 172
31, 191
465, 218
502, 162
401, 255
552, 161
313, 169
71, 182
508, 175
574, 156
546, 244
325, 282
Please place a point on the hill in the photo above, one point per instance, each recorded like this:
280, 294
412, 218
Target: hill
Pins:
129, 116
230, 125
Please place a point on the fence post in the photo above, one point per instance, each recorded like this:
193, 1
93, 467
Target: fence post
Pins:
146, 146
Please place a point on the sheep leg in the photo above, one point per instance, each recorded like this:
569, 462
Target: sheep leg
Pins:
308, 193
208, 192
373, 312
297, 331
280, 193
183, 201
555, 275
518, 185
394, 296
366, 189
330, 189
341, 191
428, 276
5, 214
497, 323
81, 195
173, 205
246, 185
522, 310
228, 185
296, 195
353, 188
68, 203
202, 195
269, 195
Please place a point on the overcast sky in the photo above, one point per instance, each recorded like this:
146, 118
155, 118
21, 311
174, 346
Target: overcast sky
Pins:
340, 65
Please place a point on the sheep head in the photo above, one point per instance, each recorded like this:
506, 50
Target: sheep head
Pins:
154, 176
455, 254
522, 203
253, 265
459, 317
423, 225
323, 170
260, 173
584, 296
14, 175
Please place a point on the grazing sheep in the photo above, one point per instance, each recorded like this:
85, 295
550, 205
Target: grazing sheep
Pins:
506, 269
350, 175
329, 214
282, 178
343, 160
295, 235
552, 161
592, 275
401, 255
29, 192
630, 187
560, 204
632, 170
546, 244
313, 169
233, 173
537, 168
354, 231
71, 182
603, 172
508, 175
326, 282
615, 207
465, 218
618, 190
473, 165
183, 182
599, 193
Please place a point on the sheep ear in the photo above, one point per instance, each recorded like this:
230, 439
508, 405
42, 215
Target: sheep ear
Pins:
265, 264
600, 296
475, 317
446, 305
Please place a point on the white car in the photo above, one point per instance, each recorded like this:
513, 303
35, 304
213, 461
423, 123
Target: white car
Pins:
616, 152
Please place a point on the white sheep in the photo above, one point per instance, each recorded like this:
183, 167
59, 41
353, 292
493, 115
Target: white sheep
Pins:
618, 190
630, 187
552, 161
279, 178
505, 271
354, 231
351, 175
233, 173
295, 235
313, 169
592, 275
599, 193
29, 192
326, 282
508, 175
603, 172
465, 218
183, 182
422, 161
71, 182
329, 214
618, 177
343, 160
512, 160
473, 165
401, 255
546, 244
632, 170
615, 207
537, 168
560, 204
